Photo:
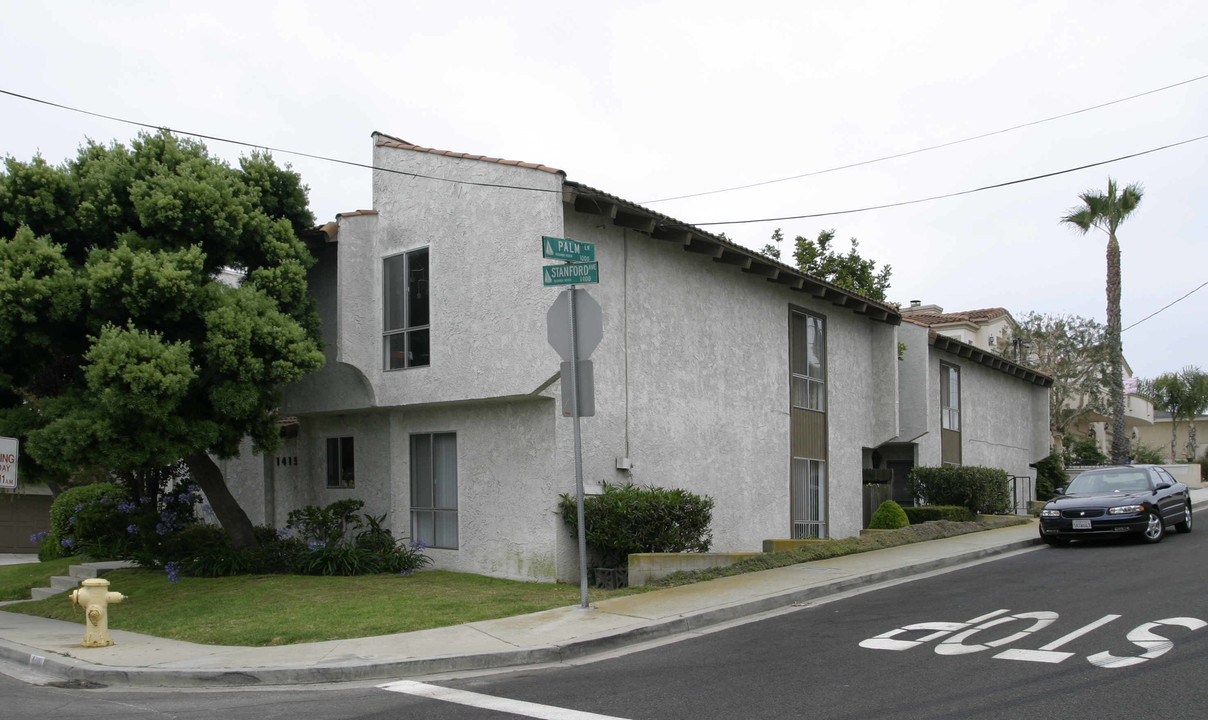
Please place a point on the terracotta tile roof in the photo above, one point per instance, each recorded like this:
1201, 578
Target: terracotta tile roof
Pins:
393, 142
927, 319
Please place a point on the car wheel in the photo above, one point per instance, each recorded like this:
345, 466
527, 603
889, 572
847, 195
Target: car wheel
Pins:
1185, 526
1154, 529
1053, 540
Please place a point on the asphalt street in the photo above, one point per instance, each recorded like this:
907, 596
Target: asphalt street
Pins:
1088, 631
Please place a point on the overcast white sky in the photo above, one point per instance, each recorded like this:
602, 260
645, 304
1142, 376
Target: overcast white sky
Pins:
649, 100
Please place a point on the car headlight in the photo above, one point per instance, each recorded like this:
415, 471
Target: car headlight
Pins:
1050, 512
1125, 510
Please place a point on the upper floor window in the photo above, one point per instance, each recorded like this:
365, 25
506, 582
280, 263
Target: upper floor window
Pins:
950, 397
808, 362
405, 285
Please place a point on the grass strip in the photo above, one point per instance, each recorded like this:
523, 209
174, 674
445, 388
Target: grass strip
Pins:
932, 530
263, 610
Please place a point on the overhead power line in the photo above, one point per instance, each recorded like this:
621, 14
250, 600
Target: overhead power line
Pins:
1166, 307
923, 149
257, 146
351, 163
954, 194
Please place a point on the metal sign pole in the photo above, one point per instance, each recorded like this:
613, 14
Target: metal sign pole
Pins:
574, 405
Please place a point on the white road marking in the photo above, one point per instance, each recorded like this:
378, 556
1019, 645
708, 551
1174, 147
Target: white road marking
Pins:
1047, 654
488, 702
1143, 636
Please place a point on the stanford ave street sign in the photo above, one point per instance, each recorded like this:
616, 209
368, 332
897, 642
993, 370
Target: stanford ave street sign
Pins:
575, 274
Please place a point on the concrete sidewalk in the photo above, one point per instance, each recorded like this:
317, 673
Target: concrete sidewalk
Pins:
52, 647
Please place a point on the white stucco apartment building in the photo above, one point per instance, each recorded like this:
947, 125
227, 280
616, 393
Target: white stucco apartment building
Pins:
720, 371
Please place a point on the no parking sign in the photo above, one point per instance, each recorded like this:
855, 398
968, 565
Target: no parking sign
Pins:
8, 463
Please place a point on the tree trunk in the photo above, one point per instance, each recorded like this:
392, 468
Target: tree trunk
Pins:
1119, 449
232, 517
1174, 434
1191, 444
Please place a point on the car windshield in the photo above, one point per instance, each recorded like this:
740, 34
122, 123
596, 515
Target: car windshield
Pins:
1108, 482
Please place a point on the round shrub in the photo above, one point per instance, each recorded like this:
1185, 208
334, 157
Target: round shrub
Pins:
889, 516
629, 519
86, 516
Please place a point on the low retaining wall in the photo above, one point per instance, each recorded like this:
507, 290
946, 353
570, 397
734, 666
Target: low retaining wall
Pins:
647, 567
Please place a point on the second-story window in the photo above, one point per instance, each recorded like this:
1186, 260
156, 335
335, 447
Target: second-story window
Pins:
405, 280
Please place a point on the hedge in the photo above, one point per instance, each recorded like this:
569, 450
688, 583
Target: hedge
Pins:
628, 519
928, 513
983, 490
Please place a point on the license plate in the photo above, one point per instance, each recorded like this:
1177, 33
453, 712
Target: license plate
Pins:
1082, 524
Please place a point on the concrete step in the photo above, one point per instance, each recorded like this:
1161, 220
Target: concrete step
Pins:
64, 582
76, 573
97, 569
43, 593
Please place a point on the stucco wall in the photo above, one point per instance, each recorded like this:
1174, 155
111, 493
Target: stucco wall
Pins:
507, 485
692, 385
915, 382
1000, 415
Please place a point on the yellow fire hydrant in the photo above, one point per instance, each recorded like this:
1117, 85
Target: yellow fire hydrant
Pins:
95, 600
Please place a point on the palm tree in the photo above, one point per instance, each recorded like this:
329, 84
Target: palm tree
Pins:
1185, 396
1106, 211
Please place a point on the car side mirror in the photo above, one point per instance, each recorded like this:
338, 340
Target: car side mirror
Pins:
1060, 491
1162, 486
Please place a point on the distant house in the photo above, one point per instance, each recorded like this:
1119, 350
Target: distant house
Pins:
719, 370
1159, 435
988, 328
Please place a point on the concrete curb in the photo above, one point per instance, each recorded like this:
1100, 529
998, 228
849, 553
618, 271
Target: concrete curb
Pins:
70, 668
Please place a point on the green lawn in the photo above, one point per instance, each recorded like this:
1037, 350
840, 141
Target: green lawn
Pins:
17, 580
257, 610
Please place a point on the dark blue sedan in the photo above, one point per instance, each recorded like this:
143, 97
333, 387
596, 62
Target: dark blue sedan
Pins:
1133, 500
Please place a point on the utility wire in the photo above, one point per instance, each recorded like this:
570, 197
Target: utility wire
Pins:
1166, 307
951, 195
532, 189
255, 146
924, 149
841, 212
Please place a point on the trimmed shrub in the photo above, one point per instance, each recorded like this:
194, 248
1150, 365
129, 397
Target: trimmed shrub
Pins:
927, 513
629, 519
983, 490
889, 516
86, 517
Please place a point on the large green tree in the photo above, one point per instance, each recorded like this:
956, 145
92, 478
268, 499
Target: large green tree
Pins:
1185, 396
849, 270
1072, 350
123, 348
1106, 211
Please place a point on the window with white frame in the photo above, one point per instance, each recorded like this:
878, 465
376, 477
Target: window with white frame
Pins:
341, 468
405, 288
434, 489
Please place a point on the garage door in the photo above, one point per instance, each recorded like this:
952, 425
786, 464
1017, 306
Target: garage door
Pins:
20, 517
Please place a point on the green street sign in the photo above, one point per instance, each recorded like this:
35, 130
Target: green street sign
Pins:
576, 274
570, 250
